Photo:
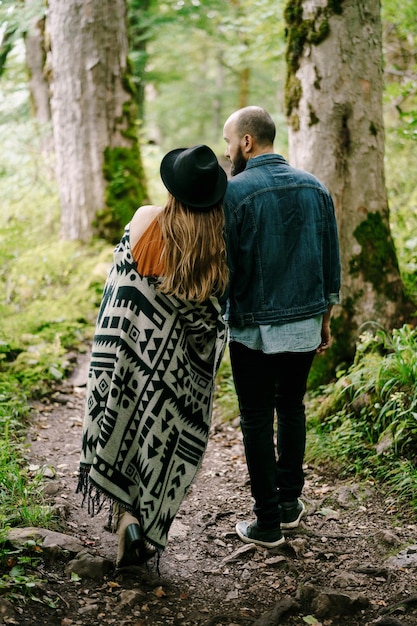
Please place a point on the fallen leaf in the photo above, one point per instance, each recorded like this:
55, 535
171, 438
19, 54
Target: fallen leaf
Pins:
310, 619
112, 584
159, 592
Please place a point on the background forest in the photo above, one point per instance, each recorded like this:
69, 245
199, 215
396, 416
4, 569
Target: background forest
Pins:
193, 62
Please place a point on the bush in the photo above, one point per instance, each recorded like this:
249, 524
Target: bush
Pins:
368, 418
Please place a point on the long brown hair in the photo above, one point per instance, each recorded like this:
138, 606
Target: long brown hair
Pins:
194, 251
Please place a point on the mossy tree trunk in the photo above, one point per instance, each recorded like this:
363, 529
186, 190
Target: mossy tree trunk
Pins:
99, 169
334, 107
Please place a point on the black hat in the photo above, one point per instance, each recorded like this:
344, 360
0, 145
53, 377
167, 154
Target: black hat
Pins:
194, 176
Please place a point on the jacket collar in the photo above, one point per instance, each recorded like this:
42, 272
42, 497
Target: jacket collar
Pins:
263, 159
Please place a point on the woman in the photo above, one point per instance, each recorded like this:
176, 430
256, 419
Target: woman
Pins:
159, 340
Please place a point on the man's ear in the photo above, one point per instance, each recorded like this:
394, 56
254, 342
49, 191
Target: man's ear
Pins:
247, 143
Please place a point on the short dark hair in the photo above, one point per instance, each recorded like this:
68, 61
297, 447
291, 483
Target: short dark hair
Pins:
256, 122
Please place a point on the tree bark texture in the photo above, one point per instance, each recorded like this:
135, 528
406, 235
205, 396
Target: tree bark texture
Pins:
91, 103
36, 61
39, 81
334, 107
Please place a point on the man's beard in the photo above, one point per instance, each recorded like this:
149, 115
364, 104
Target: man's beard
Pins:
238, 164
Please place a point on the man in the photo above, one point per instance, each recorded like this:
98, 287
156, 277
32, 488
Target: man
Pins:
283, 256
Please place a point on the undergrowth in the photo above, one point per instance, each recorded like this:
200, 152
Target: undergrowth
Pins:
225, 395
22, 580
365, 424
50, 291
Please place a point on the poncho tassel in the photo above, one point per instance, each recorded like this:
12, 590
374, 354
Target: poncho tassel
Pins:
96, 499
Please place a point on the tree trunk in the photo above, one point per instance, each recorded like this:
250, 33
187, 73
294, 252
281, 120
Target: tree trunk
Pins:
35, 60
334, 107
99, 168
243, 97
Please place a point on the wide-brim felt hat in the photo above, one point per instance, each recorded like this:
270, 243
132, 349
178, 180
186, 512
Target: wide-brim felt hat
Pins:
194, 176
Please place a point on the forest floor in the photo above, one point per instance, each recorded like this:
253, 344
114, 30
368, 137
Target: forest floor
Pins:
351, 562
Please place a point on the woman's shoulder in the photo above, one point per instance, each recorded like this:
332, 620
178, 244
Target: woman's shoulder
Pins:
147, 212
143, 217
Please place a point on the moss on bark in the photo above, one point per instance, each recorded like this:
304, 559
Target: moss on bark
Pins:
377, 258
376, 263
302, 32
125, 176
293, 93
125, 191
342, 349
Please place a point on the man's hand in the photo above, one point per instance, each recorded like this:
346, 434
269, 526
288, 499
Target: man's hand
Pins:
325, 332
325, 340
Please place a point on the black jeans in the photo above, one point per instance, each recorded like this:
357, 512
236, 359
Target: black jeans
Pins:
265, 383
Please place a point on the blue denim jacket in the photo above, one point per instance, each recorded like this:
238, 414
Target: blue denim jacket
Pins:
282, 244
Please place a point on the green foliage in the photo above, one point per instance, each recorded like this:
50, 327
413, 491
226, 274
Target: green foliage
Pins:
401, 14
400, 58
225, 395
200, 55
20, 577
21, 501
50, 292
15, 18
401, 65
367, 420
402, 194
53, 290
50, 288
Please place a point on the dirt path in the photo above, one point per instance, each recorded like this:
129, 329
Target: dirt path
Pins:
333, 570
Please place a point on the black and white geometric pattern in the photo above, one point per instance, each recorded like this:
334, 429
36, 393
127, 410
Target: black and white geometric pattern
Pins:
149, 395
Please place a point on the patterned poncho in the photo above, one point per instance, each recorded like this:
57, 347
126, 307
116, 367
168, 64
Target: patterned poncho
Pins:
149, 396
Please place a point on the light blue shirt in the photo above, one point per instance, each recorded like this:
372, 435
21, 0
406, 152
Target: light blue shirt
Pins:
299, 336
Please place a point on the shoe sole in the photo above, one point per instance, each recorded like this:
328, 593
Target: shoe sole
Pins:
258, 542
294, 523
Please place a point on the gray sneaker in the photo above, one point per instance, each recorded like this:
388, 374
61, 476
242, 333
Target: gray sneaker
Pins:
291, 514
251, 533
